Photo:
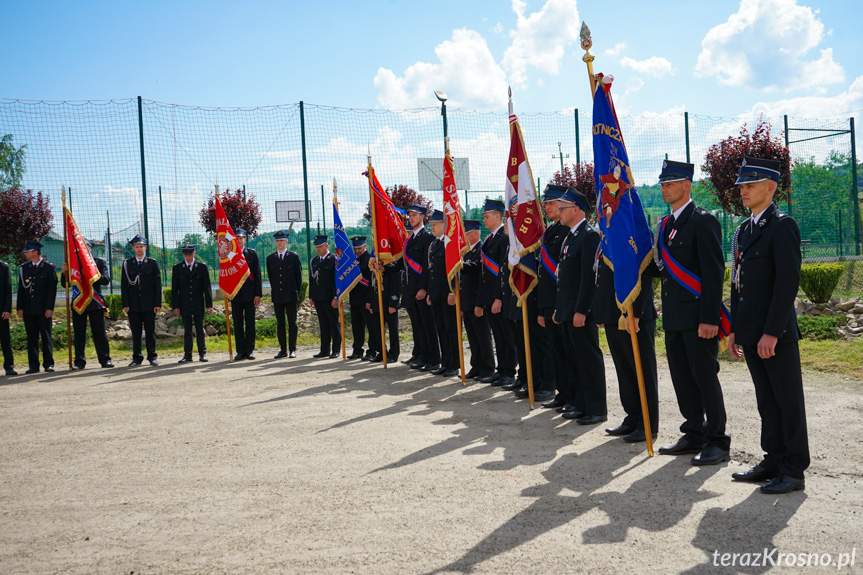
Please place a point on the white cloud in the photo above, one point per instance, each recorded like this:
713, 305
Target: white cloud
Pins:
767, 45
655, 66
842, 105
498, 28
615, 50
466, 71
540, 39
633, 85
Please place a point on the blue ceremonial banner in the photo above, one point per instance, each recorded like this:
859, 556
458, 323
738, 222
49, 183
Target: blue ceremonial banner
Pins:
347, 267
626, 242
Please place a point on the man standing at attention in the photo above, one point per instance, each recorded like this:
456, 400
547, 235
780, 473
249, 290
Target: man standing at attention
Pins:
322, 292
247, 299
37, 290
95, 312
141, 294
190, 294
286, 281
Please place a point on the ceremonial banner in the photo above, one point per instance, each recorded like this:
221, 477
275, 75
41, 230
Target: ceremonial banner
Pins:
524, 216
83, 272
626, 241
347, 267
454, 237
233, 268
389, 233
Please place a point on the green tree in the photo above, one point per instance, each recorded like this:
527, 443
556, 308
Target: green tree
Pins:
11, 163
820, 199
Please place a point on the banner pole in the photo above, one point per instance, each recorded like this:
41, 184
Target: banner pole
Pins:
228, 326
460, 338
645, 413
66, 260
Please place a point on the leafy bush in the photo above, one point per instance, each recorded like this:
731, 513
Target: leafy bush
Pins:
265, 328
115, 305
820, 327
819, 281
242, 212
18, 336
304, 290
216, 320
167, 297
59, 335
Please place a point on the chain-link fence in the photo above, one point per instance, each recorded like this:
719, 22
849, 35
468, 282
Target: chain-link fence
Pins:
142, 166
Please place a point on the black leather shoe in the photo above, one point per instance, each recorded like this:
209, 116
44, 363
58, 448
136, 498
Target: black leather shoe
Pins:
512, 386
10, 371
108, 364
240, 357
29, 371
317, 355
355, 355
637, 436
203, 359
49, 369
543, 396
491, 378
573, 415
711, 455
291, 355
450, 373
757, 474
430, 367
250, 357
390, 358
133, 363
680, 447
591, 419
77, 368
620, 430
154, 363
411, 359
187, 359
439, 371
554, 403
334, 355
566, 408
521, 392
380, 359
416, 365
472, 373
502, 381
783, 484
282, 354
368, 357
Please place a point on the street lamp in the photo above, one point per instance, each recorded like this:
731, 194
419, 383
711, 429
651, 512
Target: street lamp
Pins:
441, 95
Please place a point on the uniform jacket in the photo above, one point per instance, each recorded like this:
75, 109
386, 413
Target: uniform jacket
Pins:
104, 280
252, 287
417, 249
5, 288
190, 289
361, 292
471, 277
37, 287
605, 310
323, 284
391, 276
494, 247
576, 284
141, 285
286, 277
768, 276
696, 246
438, 289
546, 289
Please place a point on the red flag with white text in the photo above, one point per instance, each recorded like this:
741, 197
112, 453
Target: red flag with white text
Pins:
233, 268
83, 272
390, 231
454, 237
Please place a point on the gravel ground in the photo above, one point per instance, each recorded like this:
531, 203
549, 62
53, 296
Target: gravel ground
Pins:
324, 466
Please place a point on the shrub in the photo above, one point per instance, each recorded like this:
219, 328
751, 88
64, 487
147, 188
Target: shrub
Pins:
167, 297
59, 335
820, 327
265, 328
819, 281
115, 305
216, 320
304, 290
18, 337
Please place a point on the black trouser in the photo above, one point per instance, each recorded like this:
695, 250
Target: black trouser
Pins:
243, 316
289, 311
147, 320
541, 361
391, 324
425, 334
328, 321
620, 345
97, 329
198, 321
448, 336
362, 321
556, 335
38, 326
504, 332
586, 386
779, 393
479, 339
694, 367
6, 344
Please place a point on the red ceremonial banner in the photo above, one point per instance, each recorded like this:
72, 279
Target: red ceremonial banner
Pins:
389, 233
83, 272
454, 237
233, 268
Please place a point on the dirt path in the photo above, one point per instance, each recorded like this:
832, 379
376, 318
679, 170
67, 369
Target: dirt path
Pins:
320, 466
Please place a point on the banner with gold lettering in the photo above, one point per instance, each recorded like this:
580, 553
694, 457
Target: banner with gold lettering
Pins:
233, 268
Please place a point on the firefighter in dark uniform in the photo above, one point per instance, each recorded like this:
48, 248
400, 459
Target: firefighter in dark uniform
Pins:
491, 294
391, 278
244, 303
608, 315
37, 291
478, 331
322, 291
286, 280
442, 300
767, 255
5, 314
584, 391
552, 241
361, 318
416, 269
408, 303
190, 294
95, 313
692, 237
141, 295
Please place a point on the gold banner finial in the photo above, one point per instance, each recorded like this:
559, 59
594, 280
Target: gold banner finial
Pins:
586, 44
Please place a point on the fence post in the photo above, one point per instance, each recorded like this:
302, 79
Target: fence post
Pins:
787, 145
306, 188
143, 171
162, 225
324, 209
855, 192
686, 130
577, 142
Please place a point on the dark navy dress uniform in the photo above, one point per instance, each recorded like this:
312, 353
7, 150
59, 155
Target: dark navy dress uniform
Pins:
6, 307
361, 318
767, 277
286, 280
576, 288
322, 290
694, 240
141, 292
444, 314
37, 291
477, 328
422, 320
494, 249
95, 315
243, 305
192, 295
552, 241
391, 278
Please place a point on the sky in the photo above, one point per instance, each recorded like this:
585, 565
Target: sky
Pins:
715, 58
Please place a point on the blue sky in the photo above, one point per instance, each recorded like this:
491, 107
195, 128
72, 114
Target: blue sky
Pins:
716, 58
